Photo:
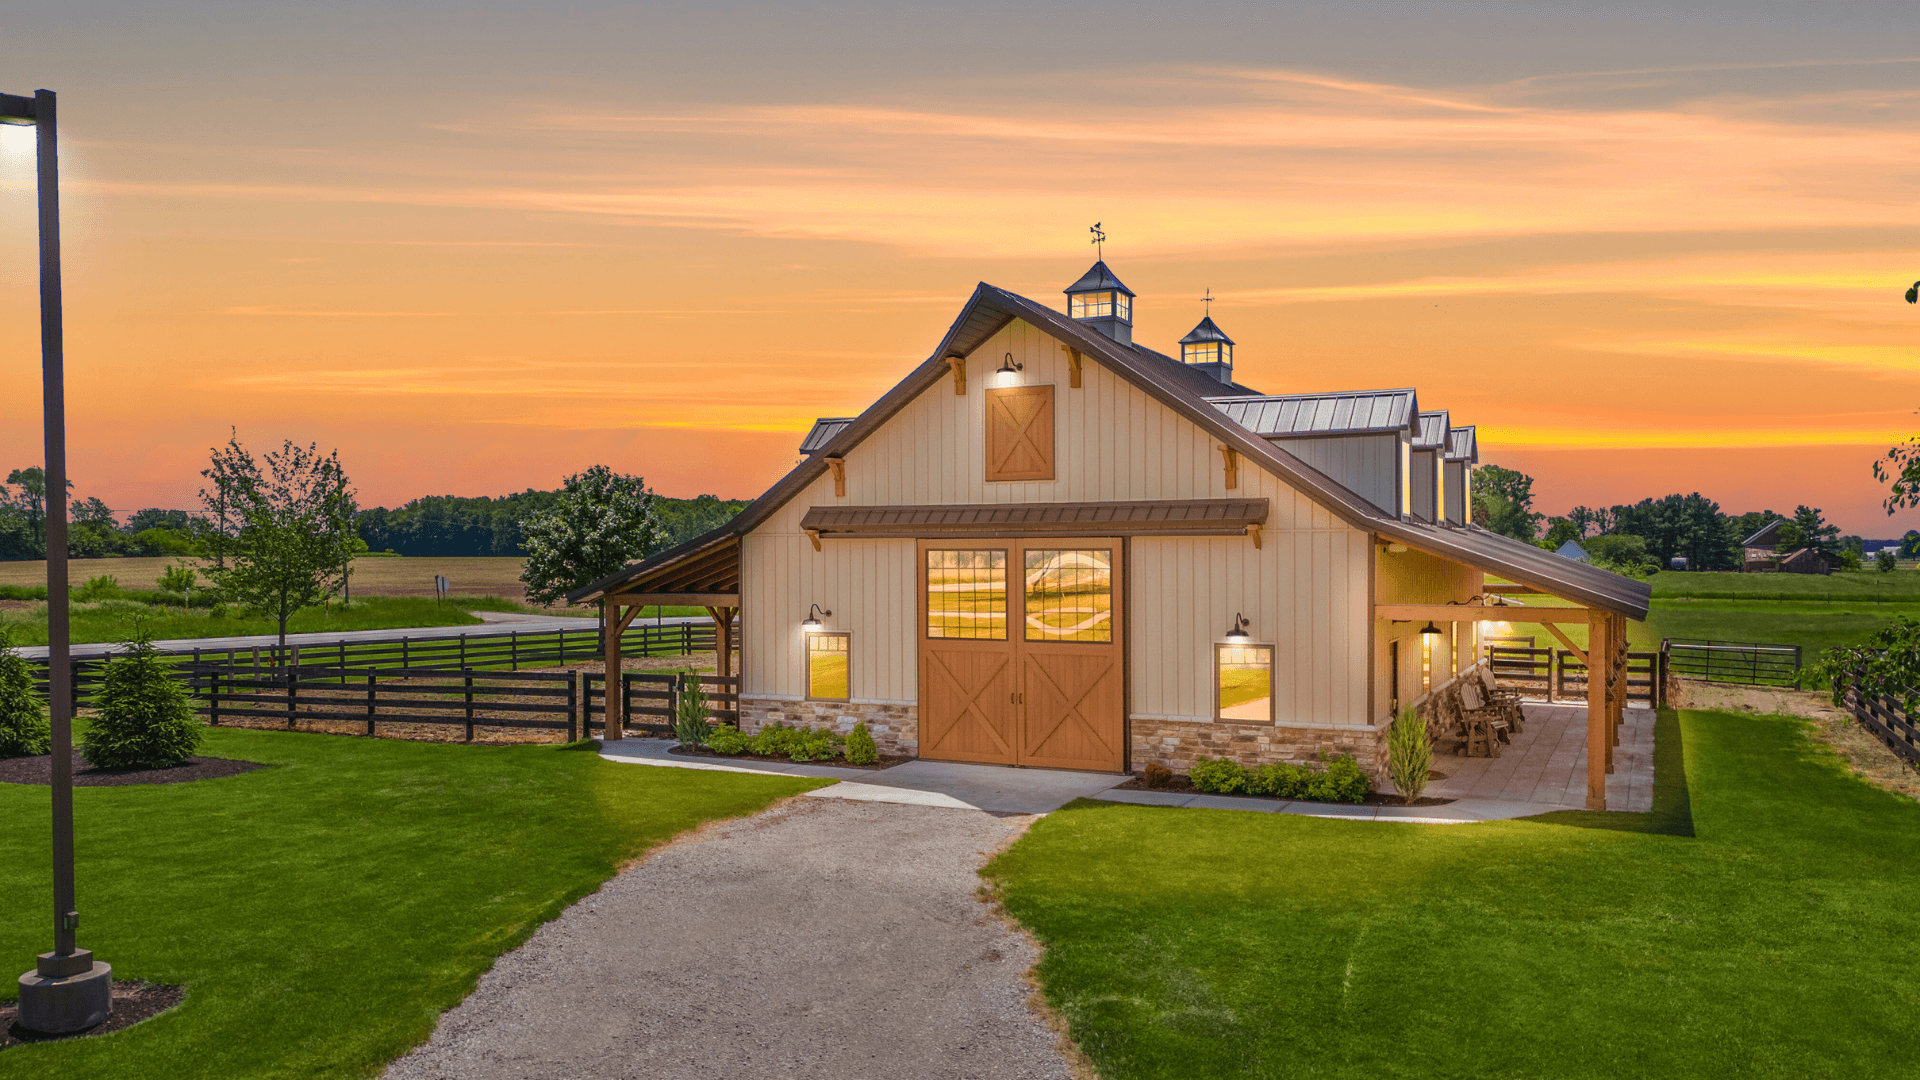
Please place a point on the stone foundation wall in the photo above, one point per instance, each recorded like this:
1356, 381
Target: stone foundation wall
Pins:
895, 728
1176, 743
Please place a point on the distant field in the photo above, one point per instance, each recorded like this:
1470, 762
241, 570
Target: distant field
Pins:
1898, 586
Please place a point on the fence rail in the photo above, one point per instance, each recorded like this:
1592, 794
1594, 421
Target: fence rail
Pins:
470, 698
1558, 674
1887, 719
1746, 662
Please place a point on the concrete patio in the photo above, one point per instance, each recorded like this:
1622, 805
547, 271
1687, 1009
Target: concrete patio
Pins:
1547, 763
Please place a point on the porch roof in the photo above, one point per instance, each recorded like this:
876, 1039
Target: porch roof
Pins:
1163, 517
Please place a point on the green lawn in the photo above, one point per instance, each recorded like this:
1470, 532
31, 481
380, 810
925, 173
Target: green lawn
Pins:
115, 620
324, 911
1778, 942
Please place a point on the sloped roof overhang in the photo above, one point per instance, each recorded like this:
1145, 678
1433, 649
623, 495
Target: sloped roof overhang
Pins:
1157, 517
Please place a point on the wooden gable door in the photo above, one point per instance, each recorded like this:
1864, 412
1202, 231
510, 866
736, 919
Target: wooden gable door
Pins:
1020, 653
1019, 433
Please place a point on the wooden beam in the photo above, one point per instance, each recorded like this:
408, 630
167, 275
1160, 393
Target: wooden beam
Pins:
1254, 531
1568, 642
1230, 458
1073, 367
1482, 613
813, 535
1597, 705
839, 467
1510, 590
959, 366
693, 599
722, 640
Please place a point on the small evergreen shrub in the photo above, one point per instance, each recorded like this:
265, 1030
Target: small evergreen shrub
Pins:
797, 743
23, 720
861, 749
1885, 560
1217, 775
1156, 775
1409, 754
142, 719
1342, 782
690, 723
727, 739
1280, 779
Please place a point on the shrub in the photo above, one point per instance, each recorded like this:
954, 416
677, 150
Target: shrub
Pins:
690, 724
1217, 775
178, 578
1156, 775
727, 739
104, 587
1342, 782
143, 719
1280, 779
1409, 754
861, 749
23, 720
799, 744
1884, 559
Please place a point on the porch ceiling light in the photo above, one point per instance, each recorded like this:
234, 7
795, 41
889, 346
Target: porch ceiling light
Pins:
1238, 634
1430, 629
812, 621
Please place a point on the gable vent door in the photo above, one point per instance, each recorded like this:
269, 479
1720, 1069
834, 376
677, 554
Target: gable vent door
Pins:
1019, 433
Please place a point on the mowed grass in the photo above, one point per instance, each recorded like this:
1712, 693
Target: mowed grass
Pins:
117, 620
1777, 942
324, 911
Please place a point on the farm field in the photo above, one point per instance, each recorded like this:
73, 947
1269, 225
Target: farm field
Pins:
379, 575
117, 620
1727, 933
321, 912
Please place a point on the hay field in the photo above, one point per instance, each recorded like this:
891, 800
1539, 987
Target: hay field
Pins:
376, 576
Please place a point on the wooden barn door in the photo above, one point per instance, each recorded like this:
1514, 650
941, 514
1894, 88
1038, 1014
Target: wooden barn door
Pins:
1020, 653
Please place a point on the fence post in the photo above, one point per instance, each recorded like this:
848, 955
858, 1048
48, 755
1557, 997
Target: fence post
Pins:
626, 698
463, 653
563, 646
293, 691
573, 703
469, 674
215, 698
673, 699
403, 652
513, 646
370, 701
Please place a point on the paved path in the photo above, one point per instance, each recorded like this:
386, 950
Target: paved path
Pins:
1547, 763
824, 938
491, 627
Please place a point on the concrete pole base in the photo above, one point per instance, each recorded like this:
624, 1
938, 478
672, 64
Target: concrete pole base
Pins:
60, 1004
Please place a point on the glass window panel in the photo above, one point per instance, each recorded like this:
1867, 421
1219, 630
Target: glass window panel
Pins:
1091, 305
1069, 594
1123, 305
1244, 676
967, 594
827, 666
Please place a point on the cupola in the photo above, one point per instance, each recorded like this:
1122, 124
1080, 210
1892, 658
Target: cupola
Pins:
1101, 301
1208, 348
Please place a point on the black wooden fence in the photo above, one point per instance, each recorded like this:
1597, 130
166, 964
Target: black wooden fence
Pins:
1558, 674
1887, 719
1746, 662
469, 698
651, 700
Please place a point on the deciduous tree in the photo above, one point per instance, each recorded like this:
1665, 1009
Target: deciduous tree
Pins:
601, 521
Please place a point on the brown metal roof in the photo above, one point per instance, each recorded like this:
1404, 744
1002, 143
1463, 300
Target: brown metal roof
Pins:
1164, 379
1185, 517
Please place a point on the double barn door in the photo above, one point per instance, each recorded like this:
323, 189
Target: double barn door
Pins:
1020, 652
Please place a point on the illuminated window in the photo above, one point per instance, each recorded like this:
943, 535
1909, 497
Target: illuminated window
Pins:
1406, 477
1243, 683
1097, 305
1393, 677
827, 676
1426, 661
967, 594
1207, 352
1069, 595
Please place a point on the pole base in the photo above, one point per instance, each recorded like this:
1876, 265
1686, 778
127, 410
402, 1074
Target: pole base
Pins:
69, 1003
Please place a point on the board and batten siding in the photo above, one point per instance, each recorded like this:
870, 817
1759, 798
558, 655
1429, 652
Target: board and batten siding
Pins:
1306, 590
1368, 465
1414, 577
1425, 478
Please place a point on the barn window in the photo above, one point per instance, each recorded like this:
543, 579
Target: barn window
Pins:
828, 677
1101, 304
967, 594
1069, 594
1243, 683
1020, 433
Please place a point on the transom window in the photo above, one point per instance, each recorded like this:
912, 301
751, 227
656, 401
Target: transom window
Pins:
967, 594
827, 663
1207, 352
1095, 305
1069, 594
1243, 682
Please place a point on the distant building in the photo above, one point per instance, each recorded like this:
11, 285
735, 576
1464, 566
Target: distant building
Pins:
1678, 562
1758, 554
1572, 550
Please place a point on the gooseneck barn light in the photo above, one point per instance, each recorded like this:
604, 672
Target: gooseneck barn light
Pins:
1008, 368
1238, 634
812, 621
68, 990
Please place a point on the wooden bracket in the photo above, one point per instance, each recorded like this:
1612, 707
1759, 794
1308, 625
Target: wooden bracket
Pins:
1568, 642
1254, 531
959, 366
1073, 367
813, 535
839, 467
1231, 458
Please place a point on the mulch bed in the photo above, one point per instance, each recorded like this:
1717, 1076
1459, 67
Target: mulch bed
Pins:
1185, 786
132, 1003
887, 761
39, 770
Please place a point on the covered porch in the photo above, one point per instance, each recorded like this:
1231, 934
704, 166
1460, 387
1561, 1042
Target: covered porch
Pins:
1546, 763
702, 573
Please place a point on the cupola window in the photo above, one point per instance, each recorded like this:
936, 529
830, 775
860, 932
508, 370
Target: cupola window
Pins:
1101, 301
1096, 305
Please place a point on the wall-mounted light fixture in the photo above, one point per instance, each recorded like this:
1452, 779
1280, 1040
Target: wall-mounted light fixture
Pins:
812, 621
1007, 370
1238, 634
1429, 630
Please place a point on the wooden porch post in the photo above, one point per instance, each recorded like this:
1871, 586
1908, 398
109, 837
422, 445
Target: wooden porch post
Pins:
1620, 698
722, 640
611, 697
1599, 750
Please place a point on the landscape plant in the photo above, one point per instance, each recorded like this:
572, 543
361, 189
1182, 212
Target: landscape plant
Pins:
1409, 754
861, 749
1219, 776
1885, 561
727, 739
1340, 781
1887, 665
690, 715
599, 521
142, 716
797, 743
24, 730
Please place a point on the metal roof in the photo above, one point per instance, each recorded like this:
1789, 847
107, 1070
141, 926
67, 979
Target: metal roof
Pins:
824, 429
1152, 517
1463, 445
1206, 331
1165, 380
1768, 536
1431, 432
1290, 415
1096, 278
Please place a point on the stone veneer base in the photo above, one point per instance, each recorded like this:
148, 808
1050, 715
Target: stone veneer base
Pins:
1176, 743
895, 728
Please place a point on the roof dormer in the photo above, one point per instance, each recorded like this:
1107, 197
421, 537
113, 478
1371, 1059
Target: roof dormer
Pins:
1101, 301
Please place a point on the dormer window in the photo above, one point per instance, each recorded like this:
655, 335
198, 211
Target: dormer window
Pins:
1108, 303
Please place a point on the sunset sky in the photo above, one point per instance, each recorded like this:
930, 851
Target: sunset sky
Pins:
478, 246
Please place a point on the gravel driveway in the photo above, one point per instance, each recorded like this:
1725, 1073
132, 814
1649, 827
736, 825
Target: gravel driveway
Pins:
823, 938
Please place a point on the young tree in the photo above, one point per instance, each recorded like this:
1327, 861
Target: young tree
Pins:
231, 470
601, 521
143, 719
1560, 530
1503, 502
1809, 529
291, 523
33, 501
23, 720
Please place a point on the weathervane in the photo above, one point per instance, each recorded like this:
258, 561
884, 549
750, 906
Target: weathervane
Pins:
1099, 239
1208, 300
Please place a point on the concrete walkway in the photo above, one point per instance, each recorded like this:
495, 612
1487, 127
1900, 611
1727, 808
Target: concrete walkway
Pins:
827, 939
1003, 790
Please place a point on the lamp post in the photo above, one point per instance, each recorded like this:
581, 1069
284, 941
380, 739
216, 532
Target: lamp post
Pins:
68, 990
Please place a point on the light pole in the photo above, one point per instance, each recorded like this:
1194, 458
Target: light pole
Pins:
68, 990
